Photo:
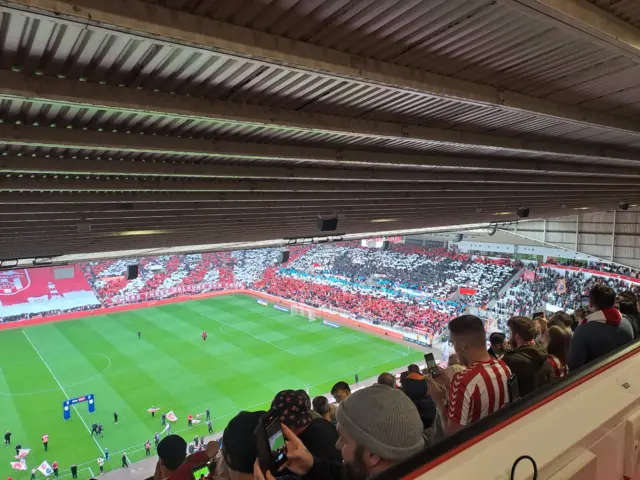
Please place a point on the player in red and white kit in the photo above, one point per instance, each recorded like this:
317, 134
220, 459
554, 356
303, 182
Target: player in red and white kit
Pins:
204, 336
479, 390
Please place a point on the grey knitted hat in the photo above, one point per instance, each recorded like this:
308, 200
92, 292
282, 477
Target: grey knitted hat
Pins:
383, 420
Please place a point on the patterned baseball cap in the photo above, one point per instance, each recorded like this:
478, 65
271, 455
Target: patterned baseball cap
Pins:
290, 407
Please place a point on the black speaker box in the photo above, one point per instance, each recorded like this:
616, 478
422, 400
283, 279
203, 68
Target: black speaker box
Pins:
284, 256
132, 272
386, 245
327, 224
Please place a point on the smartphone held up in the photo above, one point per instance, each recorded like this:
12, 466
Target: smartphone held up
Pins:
272, 448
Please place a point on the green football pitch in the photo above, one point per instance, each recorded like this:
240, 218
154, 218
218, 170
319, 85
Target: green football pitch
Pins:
251, 353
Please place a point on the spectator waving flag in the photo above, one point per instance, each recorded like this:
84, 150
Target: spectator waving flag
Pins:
19, 465
172, 416
45, 469
561, 286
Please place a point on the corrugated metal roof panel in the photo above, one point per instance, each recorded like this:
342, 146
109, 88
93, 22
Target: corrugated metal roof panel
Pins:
476, 40
53, 47
627, 10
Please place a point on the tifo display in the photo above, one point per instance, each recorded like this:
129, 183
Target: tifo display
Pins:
195, 339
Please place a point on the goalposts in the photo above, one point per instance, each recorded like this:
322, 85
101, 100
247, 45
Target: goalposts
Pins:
303, 312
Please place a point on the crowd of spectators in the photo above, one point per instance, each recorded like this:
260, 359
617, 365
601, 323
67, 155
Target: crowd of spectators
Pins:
409, 313
437, 273
369, 430
562, 289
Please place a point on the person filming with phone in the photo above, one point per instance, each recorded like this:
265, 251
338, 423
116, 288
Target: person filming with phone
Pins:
378, 427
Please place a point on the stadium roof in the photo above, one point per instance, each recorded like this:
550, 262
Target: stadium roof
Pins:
214, 121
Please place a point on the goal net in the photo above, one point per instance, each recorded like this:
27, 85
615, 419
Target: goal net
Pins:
303, 312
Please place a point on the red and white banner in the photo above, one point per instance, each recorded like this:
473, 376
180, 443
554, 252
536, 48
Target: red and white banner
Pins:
168, 292
172, 416
19, 465
36, 290
23, 452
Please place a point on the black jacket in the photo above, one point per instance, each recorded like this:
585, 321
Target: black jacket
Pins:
530, 366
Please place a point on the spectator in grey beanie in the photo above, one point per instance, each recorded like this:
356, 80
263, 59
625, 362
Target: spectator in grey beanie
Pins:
378, 426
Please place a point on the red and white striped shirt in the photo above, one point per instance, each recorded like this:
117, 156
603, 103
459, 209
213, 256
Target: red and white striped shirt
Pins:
559, 370
478, 391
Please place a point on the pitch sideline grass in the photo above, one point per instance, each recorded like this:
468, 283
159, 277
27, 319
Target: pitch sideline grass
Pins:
251, 353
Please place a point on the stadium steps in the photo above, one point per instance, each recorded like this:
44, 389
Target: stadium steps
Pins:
505, 287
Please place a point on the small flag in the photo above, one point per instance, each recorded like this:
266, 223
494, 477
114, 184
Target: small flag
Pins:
19, 465
172, 416
45, 469
152, 409
195, 421
23, 452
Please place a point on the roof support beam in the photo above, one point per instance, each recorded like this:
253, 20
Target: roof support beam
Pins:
38, 246
586, 20
132, 184
86, 213
74, 167
105, 143
65, 93
391, 213
165, 25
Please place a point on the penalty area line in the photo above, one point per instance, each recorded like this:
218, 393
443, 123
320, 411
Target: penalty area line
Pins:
62, 389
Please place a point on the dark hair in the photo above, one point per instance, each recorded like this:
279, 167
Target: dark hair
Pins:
403, 377
340, 386
561, 319
628, 303
524, 327
387, 379
559, 343
470, 326
321, 405
172, 450
628, 296
413, 368
497, 338
602, 296
628, 308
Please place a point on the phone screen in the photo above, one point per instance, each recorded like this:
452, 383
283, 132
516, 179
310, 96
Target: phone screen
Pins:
277, 443
432, 366
272, 449
584, 301
200, 470
538, 315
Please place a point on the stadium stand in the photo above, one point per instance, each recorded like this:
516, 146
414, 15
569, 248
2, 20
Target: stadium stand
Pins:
390, 288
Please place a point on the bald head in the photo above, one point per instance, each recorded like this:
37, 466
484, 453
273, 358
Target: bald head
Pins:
387, 379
